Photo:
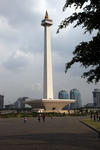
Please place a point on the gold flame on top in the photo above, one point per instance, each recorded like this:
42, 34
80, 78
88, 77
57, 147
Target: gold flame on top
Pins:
46, 15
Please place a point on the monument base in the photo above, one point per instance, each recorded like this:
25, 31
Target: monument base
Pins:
49, 104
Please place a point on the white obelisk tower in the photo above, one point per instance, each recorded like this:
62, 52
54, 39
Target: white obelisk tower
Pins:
48, 102
48, 82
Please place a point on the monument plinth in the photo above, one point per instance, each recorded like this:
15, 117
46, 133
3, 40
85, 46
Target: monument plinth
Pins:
48, 102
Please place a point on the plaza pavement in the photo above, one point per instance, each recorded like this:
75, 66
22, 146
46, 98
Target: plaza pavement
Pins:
61, 133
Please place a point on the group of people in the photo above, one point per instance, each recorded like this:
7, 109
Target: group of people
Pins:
41, 116
95, 116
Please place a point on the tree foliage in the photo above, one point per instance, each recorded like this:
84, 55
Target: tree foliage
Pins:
86, 53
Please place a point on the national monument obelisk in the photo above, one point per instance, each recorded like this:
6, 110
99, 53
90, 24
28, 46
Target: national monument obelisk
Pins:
47, 84
48, 102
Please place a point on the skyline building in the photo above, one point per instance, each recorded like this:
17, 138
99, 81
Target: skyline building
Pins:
96, 97
75, 94
63, 94
1, 101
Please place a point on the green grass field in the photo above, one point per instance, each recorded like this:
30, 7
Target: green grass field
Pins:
94, 124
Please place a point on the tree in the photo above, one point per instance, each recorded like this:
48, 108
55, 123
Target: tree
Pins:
86, 53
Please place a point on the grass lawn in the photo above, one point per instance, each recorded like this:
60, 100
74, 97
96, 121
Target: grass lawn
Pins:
94, 124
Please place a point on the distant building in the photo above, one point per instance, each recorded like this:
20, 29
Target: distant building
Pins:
63, 94
19, 104
89, 105
96, 97
1, 101
75, 94
10, 106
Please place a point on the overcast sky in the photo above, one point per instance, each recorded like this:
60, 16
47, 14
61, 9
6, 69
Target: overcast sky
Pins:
21, 50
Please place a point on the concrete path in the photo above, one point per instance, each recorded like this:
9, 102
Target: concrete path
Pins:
61, 133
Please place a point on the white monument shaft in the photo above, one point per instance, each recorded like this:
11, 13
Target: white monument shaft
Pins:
48, 82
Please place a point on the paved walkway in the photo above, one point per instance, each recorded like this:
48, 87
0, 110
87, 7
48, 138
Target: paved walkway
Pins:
65, 133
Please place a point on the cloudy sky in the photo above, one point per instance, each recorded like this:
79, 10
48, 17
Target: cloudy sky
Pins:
21, 50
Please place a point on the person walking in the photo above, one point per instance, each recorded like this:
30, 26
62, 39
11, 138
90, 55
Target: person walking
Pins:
97, 117
94, 117
25, 119
51, 116
39, 117
43, 117
91, 115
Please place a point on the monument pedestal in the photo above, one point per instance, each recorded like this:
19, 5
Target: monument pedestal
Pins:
49, 104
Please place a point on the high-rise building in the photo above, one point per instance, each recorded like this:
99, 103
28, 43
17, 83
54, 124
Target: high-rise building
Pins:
75, 94
96, 97
63, 94
1, 101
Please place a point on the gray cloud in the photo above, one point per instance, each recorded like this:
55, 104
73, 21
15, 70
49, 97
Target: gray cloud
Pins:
17, 12
15, 64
